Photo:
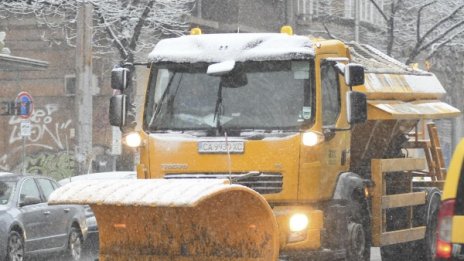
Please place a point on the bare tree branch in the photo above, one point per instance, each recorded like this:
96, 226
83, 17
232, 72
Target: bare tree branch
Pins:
439, 23
380, 10
132, 27
418, 20
437, 47
420, 48
116, 41
329, 33
139, 25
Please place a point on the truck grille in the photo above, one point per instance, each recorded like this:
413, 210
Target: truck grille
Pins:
265, 183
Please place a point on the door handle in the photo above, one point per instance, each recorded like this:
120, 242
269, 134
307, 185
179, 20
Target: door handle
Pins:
46, 213
66, 210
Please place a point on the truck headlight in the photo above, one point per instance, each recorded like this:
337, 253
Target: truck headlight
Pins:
133, 139
312, 138
298, 222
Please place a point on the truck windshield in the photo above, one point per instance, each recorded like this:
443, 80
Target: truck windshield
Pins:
271, 95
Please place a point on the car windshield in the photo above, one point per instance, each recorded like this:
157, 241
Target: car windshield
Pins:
273, 95
6, 187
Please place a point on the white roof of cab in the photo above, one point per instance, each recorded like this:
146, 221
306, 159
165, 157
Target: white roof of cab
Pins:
212, 48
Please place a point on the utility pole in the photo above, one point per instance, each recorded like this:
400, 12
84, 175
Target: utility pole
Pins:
290, 13
356, 20
83, 99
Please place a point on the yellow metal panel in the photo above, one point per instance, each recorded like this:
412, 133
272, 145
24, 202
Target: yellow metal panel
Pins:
401, 236
457, 235
454, 171
403, 200
310, 174
402, 86
426, 109
377, 193
179, 154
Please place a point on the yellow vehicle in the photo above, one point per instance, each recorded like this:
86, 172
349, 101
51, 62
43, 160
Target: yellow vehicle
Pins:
273, 147
450, 239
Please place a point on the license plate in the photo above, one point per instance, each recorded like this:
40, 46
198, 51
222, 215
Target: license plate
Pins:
221, 147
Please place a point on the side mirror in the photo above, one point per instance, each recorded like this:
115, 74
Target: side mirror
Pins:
119, 78
118, 110
356, 107
354, 74
29, 201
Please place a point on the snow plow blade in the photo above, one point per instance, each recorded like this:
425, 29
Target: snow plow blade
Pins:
163, 219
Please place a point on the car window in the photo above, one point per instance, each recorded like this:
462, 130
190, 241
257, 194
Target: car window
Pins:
29, 189
5, 191
47, 187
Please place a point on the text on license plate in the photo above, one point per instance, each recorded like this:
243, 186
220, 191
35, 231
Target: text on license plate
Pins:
221, 147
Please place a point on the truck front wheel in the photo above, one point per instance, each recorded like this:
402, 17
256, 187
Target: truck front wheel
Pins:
359, 241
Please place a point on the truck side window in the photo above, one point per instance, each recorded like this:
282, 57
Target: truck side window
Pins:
330, 94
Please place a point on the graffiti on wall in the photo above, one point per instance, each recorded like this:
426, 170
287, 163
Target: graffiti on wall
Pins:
47, 147
56, 165
4, 163
43, 127
50, 148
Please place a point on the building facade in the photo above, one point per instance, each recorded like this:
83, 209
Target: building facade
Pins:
50, 148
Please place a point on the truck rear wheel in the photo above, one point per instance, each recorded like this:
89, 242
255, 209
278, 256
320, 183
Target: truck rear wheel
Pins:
424, 249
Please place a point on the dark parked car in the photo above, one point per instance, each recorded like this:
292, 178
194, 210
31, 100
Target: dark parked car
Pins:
29, 226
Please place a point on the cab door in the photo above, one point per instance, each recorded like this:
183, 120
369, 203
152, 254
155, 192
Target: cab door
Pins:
335, 148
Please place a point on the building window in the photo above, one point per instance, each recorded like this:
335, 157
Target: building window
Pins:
349, 9
70, 84
367, 11
307, 7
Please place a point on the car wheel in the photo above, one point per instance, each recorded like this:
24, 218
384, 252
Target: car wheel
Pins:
15, 248
74, 250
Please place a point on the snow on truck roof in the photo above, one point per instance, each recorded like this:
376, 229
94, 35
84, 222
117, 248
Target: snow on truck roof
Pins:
385, 77
238, 47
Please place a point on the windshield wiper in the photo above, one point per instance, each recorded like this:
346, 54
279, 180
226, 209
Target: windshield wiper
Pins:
217, 109
170, 101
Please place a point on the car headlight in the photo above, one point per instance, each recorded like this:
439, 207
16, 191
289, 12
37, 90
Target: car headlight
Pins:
298, 222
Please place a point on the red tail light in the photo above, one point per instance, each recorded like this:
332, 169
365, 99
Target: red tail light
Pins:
444, 229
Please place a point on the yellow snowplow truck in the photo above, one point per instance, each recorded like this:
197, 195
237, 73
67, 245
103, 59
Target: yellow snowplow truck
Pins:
274, 147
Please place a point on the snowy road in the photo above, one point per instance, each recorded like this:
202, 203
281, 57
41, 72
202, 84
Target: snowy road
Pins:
375, 254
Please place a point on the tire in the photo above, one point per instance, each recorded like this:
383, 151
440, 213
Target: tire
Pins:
74, 249
359, 240
425, 249
15, 247
421, 250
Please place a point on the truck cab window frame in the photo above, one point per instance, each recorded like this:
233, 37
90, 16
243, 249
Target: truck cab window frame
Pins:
330, 88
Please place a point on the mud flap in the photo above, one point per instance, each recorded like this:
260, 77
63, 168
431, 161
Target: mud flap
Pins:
177, 219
